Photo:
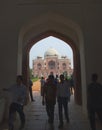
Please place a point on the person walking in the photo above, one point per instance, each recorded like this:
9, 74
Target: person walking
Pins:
49, 97
19, 95
42, 82
30, 90
94, 101
63, 96
72, 84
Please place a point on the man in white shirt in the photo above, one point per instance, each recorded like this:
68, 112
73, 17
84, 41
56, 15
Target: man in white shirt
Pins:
63, 96
19, 94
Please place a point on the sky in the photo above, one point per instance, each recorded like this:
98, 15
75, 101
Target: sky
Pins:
50, 42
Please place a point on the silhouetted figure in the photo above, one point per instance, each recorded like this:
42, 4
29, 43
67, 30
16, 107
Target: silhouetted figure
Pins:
42, 82
30, 90
72, 84
94, 101
56, 79
63, 96
49, 97
19, 95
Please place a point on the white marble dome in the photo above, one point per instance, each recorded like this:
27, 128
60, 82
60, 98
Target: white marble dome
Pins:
51, 52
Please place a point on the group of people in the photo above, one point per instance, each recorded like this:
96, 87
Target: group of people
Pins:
61, 92
53, 91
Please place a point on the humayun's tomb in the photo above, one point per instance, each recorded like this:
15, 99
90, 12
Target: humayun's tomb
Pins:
51, 63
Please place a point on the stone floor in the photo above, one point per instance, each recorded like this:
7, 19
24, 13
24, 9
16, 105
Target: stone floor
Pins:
36, 117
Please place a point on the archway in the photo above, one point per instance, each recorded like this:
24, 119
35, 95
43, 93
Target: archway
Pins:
77, 71
52, 24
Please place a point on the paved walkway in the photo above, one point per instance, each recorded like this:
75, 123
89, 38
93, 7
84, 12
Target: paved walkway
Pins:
36, 117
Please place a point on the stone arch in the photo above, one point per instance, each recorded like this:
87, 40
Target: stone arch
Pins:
61, 28
77, 73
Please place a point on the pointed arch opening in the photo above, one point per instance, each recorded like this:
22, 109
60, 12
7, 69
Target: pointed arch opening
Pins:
76, 58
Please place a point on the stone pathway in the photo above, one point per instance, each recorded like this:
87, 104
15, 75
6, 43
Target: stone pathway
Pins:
37, 117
